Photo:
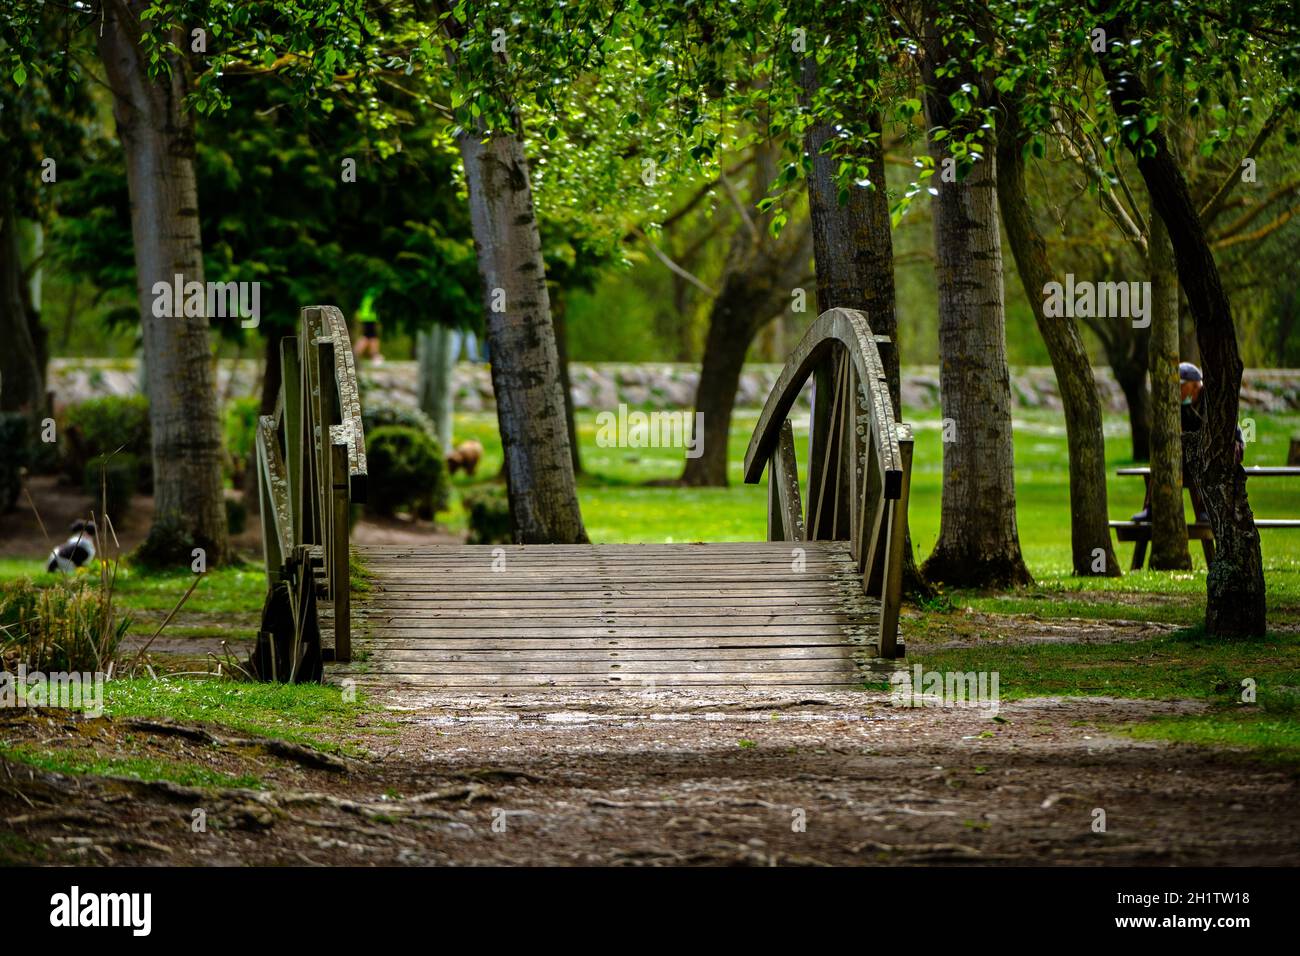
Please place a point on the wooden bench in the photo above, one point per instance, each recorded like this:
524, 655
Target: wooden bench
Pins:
1139, 532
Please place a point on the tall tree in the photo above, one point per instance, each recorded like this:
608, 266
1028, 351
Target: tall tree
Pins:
853, 245
521, 339
763, 269
1168, 527
1090, 544
158, 141
1236, 603
979, 543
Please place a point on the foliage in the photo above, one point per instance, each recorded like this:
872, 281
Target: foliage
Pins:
67, 626
406, 470
488, 511
241, 426
110, 481
376, 414
14, 439
102, 426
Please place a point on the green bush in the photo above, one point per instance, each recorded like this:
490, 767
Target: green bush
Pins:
71, 625
112, 490
101, 426
488, 510
380, 414
241, 437
405, 470
13, 457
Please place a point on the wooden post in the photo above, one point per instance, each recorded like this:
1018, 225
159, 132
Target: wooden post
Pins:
325, 402
1293, 453
270, 533
784, 509
310, 438
340, 553
823, 470
291, 410
891, 597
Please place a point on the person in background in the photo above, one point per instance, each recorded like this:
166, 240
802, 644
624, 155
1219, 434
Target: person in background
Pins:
368, 344
1192, 392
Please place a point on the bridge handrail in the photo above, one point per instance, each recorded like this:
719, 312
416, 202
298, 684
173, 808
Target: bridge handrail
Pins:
861, 496
311, 458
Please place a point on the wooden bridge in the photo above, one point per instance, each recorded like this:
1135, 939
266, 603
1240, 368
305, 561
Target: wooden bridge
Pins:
812, 607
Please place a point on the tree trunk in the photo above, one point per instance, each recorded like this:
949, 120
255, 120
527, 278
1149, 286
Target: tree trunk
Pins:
1130, 363
853, 250
1235, 594
1168, 527
979, 545
158, 142
1090, 546
22, 367
433, 352
731, 328
525, 365
560, 317
758, 283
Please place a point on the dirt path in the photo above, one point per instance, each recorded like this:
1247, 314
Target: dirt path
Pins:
624, 779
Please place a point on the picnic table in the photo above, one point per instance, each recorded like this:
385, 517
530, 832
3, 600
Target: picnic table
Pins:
1139, 532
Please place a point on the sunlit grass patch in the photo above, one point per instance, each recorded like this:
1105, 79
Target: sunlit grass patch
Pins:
183, 772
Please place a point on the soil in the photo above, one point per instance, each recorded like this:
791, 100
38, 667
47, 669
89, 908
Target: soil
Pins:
622, 779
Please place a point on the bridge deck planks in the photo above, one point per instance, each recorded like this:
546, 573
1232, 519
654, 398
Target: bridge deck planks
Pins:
727, 615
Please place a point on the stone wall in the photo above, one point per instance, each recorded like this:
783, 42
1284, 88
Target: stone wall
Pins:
667, 386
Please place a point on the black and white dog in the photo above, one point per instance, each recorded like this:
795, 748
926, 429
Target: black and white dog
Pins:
77, 551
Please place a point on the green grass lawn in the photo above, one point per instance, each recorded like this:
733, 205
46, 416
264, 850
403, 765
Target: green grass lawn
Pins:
617, 507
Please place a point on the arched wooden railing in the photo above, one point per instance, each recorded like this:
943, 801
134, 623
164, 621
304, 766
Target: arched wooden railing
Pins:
311, 468
859, 459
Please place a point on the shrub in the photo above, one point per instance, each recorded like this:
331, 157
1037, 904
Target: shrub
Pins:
13, 441
101, 426
241, 436
488, 510
111, 481
68, 626
405, 468
381, 414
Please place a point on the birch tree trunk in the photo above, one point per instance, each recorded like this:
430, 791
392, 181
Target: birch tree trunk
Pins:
979, 545
525, 365
1090, 545
433, 353
1168, 527
158, 141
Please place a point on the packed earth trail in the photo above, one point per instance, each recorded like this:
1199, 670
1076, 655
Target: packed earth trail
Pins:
670, 778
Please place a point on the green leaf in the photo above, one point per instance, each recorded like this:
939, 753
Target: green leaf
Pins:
20, 75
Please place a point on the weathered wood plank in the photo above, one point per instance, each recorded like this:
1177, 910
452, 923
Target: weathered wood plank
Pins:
635, 682
790, 633
414, 651
628, 642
